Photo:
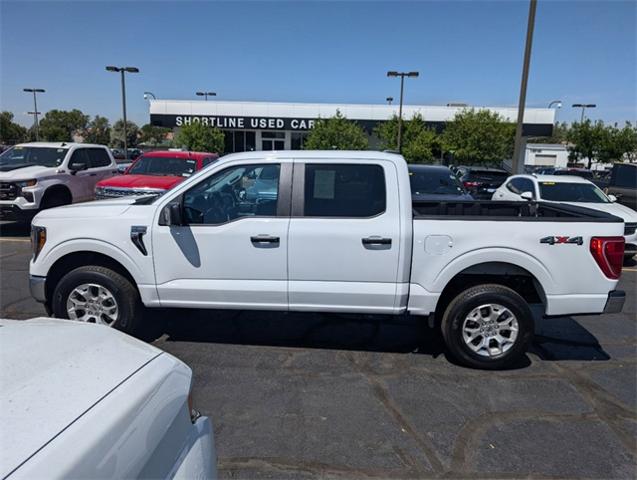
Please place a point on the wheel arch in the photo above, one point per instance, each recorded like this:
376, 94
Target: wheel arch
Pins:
73, 260
510, 275
57, 188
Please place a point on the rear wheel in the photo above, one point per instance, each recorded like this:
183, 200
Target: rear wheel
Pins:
95, 294
487, 326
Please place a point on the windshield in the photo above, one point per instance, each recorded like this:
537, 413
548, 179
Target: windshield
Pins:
18, 157
572, 192
170, 166
434, 181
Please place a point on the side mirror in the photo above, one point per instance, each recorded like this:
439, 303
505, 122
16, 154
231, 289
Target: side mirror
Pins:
77, 167
612, 198
527, 195
171, 215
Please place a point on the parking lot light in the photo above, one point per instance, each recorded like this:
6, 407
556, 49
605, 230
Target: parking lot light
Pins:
35, 112
122, 71
583, 106
557, 103
402, 75
206, 95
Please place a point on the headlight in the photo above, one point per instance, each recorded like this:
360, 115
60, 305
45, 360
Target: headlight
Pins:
99, 190
26, 183
38, 239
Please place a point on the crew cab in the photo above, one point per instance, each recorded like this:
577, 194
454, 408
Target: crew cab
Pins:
39, 175
154, 173
337, 232
572, 190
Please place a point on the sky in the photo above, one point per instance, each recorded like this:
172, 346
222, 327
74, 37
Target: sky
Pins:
333, 52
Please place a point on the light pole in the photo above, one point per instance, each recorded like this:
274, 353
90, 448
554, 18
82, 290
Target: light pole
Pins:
206, 95
402, 76
389, 100
516, 164
557, 103
123, 70
583, 106
35, 109
149, 94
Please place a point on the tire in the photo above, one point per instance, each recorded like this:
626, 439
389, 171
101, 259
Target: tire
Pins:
128, 307
487, 329
55, 199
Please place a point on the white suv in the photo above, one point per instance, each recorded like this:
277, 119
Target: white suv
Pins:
39, 175
572, 190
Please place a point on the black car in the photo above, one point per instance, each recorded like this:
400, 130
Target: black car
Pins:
576, 172
623, 184
481, 182
433, 182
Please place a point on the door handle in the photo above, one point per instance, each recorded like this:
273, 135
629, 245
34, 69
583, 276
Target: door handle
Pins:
92, 174
376, 241
265, 241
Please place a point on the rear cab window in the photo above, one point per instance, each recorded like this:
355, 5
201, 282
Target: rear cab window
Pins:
344, 190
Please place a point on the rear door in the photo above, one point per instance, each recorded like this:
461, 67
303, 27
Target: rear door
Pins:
343, 247
100, 167
80, 185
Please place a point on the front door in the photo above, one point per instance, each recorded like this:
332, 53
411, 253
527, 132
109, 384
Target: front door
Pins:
232, 250
81, 186
344, 240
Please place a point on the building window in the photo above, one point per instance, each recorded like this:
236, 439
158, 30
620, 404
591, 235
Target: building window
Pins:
298, 139
272, 140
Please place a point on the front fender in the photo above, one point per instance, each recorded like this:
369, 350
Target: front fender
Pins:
48, 258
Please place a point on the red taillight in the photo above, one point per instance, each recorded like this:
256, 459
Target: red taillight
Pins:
470, 184
608, 252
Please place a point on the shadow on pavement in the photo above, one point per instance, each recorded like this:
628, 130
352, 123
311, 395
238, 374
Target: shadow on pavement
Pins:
556, 338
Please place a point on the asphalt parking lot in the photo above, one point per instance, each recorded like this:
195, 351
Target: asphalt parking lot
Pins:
301, 396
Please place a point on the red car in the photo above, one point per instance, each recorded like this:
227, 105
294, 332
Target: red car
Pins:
154, 173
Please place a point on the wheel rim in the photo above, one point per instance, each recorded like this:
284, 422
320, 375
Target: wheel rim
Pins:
490, 330
92, 303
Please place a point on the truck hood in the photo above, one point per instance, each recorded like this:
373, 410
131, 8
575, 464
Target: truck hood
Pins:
16, 172
94, 209
52, 372
142, 181
617, 209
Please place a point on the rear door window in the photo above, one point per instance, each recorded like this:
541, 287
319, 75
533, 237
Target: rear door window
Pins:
97, 157
344, 190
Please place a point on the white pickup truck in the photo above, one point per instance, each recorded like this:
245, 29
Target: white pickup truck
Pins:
329, 231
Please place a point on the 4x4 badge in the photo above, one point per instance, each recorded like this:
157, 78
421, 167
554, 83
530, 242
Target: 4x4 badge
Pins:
558, 239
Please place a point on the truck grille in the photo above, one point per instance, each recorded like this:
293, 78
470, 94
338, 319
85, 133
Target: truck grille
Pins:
110, 192
8, 191
630, 228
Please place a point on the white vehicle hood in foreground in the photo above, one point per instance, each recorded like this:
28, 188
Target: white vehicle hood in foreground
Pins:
52, 372
94, 209
26, 173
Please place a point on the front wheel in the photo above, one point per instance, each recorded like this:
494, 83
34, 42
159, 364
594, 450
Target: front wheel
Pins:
95, 294
487, 326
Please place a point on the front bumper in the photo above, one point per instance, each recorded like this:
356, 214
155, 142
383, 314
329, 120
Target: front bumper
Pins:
200, 460
15, 213
37, 288
615, 302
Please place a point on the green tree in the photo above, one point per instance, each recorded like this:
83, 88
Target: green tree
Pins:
98, 131
418, 141
336, 133
152, 135
62, 125
587, 140
478, 137
10, 132
200, 138
117, 134
618, 144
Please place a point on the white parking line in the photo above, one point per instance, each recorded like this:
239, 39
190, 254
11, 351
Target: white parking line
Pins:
629, 269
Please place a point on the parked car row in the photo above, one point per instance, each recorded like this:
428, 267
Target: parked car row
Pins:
40, 175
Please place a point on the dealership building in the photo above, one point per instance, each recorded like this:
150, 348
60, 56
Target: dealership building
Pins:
283, 126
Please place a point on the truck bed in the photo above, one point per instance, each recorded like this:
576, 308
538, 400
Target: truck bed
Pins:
502, 210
